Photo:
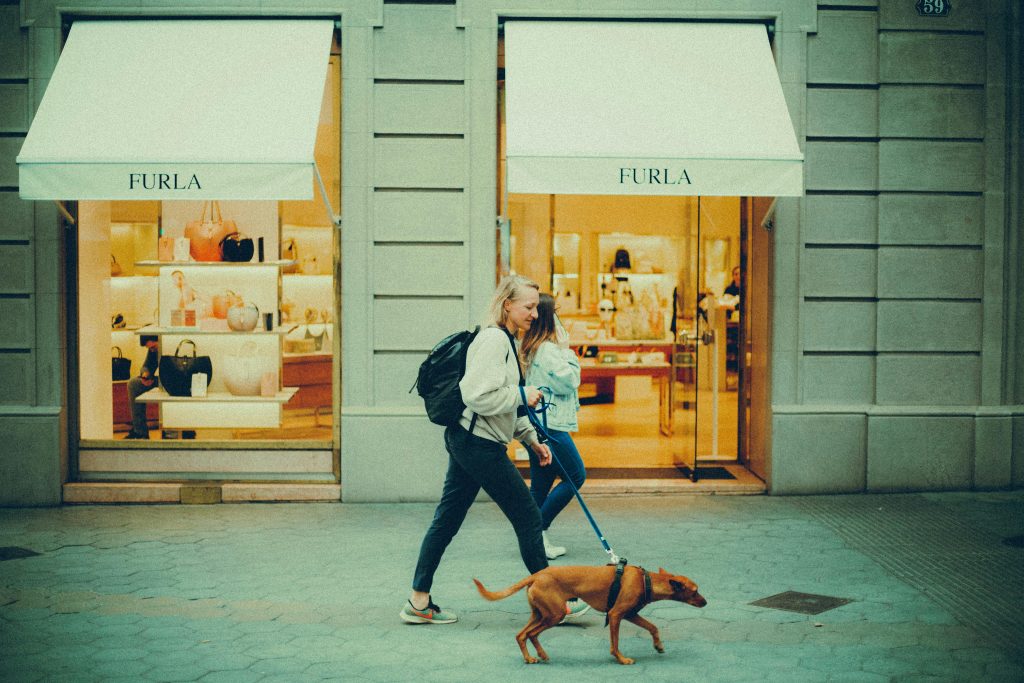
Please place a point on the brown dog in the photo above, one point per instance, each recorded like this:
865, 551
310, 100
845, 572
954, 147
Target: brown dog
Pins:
550, 588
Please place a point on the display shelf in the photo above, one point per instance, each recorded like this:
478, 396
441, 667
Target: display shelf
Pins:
606, 277
289, 354
158, 395
662, 341
279, 263
176, 331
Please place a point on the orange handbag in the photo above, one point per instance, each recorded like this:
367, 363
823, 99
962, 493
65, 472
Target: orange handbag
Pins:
205, 235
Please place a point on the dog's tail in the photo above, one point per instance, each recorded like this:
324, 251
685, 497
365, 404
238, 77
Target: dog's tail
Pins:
499, 595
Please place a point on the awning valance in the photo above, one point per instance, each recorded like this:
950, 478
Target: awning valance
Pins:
646, 108
180, 109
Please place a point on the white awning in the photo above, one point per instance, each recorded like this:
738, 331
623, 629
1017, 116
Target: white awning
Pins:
646, 108
180, 109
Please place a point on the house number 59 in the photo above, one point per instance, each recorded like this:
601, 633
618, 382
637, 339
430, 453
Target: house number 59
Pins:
933, 8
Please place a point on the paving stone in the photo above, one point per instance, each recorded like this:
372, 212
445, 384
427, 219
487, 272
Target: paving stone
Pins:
231, 677
259, 590
176, 673
280, 665
106, 653
178, 657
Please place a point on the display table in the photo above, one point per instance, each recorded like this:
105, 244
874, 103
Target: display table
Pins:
597, 372
311, 373
604, 386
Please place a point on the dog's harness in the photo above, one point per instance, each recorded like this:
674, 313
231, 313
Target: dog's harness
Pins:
613, 591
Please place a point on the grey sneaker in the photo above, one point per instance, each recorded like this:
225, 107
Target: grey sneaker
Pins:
574, 608
431, 615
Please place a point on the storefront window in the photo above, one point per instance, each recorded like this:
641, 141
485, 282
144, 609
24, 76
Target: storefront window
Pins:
221, 317
637, 281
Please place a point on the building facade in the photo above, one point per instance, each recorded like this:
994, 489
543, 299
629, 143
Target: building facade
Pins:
896, 355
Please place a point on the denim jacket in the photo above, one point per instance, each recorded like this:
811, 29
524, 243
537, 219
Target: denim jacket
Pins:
556, 372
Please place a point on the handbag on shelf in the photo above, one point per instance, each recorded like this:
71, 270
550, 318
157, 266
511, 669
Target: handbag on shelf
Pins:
224, 302
165, 249
236, 248
205, 235
243, 370
317, 338
176, 371
115, 267
120, 367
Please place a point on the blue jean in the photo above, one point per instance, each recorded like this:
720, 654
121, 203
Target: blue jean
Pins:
552, 501
474, 463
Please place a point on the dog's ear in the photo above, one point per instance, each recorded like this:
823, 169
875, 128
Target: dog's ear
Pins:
661, 570
676, 586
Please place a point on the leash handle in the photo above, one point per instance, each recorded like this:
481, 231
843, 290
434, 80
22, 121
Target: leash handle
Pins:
542, 433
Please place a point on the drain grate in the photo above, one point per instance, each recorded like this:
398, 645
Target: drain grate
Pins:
804, 603
1014, 541
13, 552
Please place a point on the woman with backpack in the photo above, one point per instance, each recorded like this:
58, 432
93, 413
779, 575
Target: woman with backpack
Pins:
477, 447
555, 369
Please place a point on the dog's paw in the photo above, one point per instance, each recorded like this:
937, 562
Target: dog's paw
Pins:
531, 660
626, 660
659, 647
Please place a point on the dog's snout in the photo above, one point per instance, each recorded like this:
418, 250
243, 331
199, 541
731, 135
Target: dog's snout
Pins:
699, 600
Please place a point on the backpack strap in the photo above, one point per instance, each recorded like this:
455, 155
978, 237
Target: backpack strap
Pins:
515, 352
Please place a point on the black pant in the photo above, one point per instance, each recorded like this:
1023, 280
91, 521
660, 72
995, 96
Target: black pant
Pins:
474, 463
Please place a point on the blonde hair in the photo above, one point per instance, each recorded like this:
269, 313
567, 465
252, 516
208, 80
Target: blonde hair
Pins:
510, 288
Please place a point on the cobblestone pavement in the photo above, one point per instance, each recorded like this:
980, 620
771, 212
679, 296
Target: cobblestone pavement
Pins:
310, 592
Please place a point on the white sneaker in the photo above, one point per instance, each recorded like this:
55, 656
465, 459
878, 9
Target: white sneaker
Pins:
574, 608
552, 551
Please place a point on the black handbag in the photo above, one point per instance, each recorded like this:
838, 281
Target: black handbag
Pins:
176, 371
236, 248
120, 367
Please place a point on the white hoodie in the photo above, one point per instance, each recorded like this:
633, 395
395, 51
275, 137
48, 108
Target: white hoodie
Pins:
490, 388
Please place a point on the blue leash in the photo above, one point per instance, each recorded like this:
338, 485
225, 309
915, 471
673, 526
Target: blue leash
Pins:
542, 432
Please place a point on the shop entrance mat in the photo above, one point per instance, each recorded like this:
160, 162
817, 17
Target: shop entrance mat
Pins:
709, 472
648, 473
803, 603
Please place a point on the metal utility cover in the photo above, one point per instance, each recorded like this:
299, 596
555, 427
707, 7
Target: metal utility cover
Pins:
804, 603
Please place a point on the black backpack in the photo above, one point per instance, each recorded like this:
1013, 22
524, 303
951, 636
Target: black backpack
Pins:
438, 379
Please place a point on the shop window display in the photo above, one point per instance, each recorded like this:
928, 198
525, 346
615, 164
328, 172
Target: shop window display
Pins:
628, 274
265, 320
252, 286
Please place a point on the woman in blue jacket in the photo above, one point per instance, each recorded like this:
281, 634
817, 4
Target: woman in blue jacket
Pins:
554, 368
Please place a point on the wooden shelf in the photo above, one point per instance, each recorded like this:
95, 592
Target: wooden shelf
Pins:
154, 329
158, 395
280, 264
312, 354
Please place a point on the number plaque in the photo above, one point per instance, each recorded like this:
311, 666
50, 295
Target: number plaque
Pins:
933, 8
